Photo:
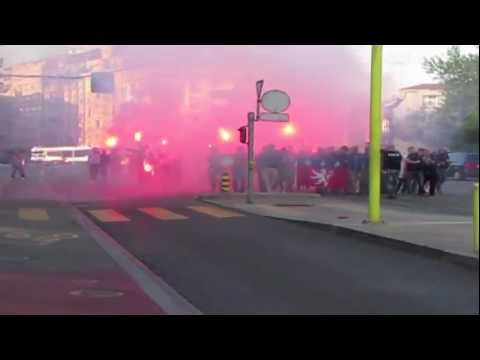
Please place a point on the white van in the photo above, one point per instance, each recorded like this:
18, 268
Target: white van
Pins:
60, 154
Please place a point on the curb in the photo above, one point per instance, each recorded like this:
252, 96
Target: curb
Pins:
154, 287
463, 260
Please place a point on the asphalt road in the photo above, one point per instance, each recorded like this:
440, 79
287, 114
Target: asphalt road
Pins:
255, 265
49, 265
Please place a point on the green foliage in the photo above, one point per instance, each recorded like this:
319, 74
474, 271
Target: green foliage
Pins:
426, 129
459, 73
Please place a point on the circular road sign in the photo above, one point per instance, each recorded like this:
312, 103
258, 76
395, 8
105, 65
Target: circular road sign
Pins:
275, 101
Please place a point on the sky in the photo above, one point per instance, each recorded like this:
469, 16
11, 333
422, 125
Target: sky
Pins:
403, 63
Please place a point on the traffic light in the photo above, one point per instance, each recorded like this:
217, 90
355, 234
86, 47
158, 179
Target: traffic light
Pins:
243, 134
102, 82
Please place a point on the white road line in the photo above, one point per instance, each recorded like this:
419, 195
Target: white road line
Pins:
159, 291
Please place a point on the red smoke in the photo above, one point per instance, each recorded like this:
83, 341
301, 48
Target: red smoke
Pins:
194, 95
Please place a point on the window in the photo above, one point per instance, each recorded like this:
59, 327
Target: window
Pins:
430, 100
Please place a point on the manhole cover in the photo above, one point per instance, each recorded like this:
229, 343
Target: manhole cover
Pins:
96, 293
343, 217
14, 259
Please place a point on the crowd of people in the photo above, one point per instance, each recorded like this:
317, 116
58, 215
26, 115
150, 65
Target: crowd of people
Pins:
104, 163
342, 170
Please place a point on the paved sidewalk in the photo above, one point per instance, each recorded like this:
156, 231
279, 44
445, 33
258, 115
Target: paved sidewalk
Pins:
452, 234
50, 265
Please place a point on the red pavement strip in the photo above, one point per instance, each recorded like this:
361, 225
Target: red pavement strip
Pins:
49, 293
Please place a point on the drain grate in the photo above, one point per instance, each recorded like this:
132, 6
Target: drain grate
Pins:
293, 205
97, 293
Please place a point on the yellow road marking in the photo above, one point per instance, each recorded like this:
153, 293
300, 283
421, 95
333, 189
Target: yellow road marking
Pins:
108, 215
162, 214
214, 211
33, 214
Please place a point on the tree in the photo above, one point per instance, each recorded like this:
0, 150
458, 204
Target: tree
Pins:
459, 73
425, 129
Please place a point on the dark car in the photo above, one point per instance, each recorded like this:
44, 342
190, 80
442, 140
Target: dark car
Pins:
463, 165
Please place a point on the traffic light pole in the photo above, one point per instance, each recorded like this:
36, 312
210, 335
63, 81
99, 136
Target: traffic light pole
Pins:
375, 135
251, 157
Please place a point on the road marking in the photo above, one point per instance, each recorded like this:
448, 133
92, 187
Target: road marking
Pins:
214, 211
159, 291
32, 214
162, 214
108, 215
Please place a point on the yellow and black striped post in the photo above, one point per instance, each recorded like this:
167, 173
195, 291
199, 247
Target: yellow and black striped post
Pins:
225, 183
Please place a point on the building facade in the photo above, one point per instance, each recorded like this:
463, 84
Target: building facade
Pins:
423, 97
55, 111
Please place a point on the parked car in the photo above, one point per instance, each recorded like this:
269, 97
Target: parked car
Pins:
463, 165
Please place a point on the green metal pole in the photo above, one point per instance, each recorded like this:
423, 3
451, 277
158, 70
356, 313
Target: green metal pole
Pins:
375, 134
475, 217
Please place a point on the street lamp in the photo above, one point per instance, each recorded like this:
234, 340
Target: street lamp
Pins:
289, 130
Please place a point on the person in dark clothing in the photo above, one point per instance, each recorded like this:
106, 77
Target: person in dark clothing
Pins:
18, 164
339, 179
304, 170
355, 167
414, 171
343, 157
443, 162
94, 163
330, 158
364, 177
286, 171
104, 164
391, 163
429, 171
271, 164
421, 153
318, 158
240, 170
136, 161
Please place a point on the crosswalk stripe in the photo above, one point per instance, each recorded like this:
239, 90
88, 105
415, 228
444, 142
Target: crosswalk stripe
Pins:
214, 211
33, 214
108, 215
162, 214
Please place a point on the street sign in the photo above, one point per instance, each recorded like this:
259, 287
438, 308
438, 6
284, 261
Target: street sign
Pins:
275, 117
259, 88
275, 101
102, 82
